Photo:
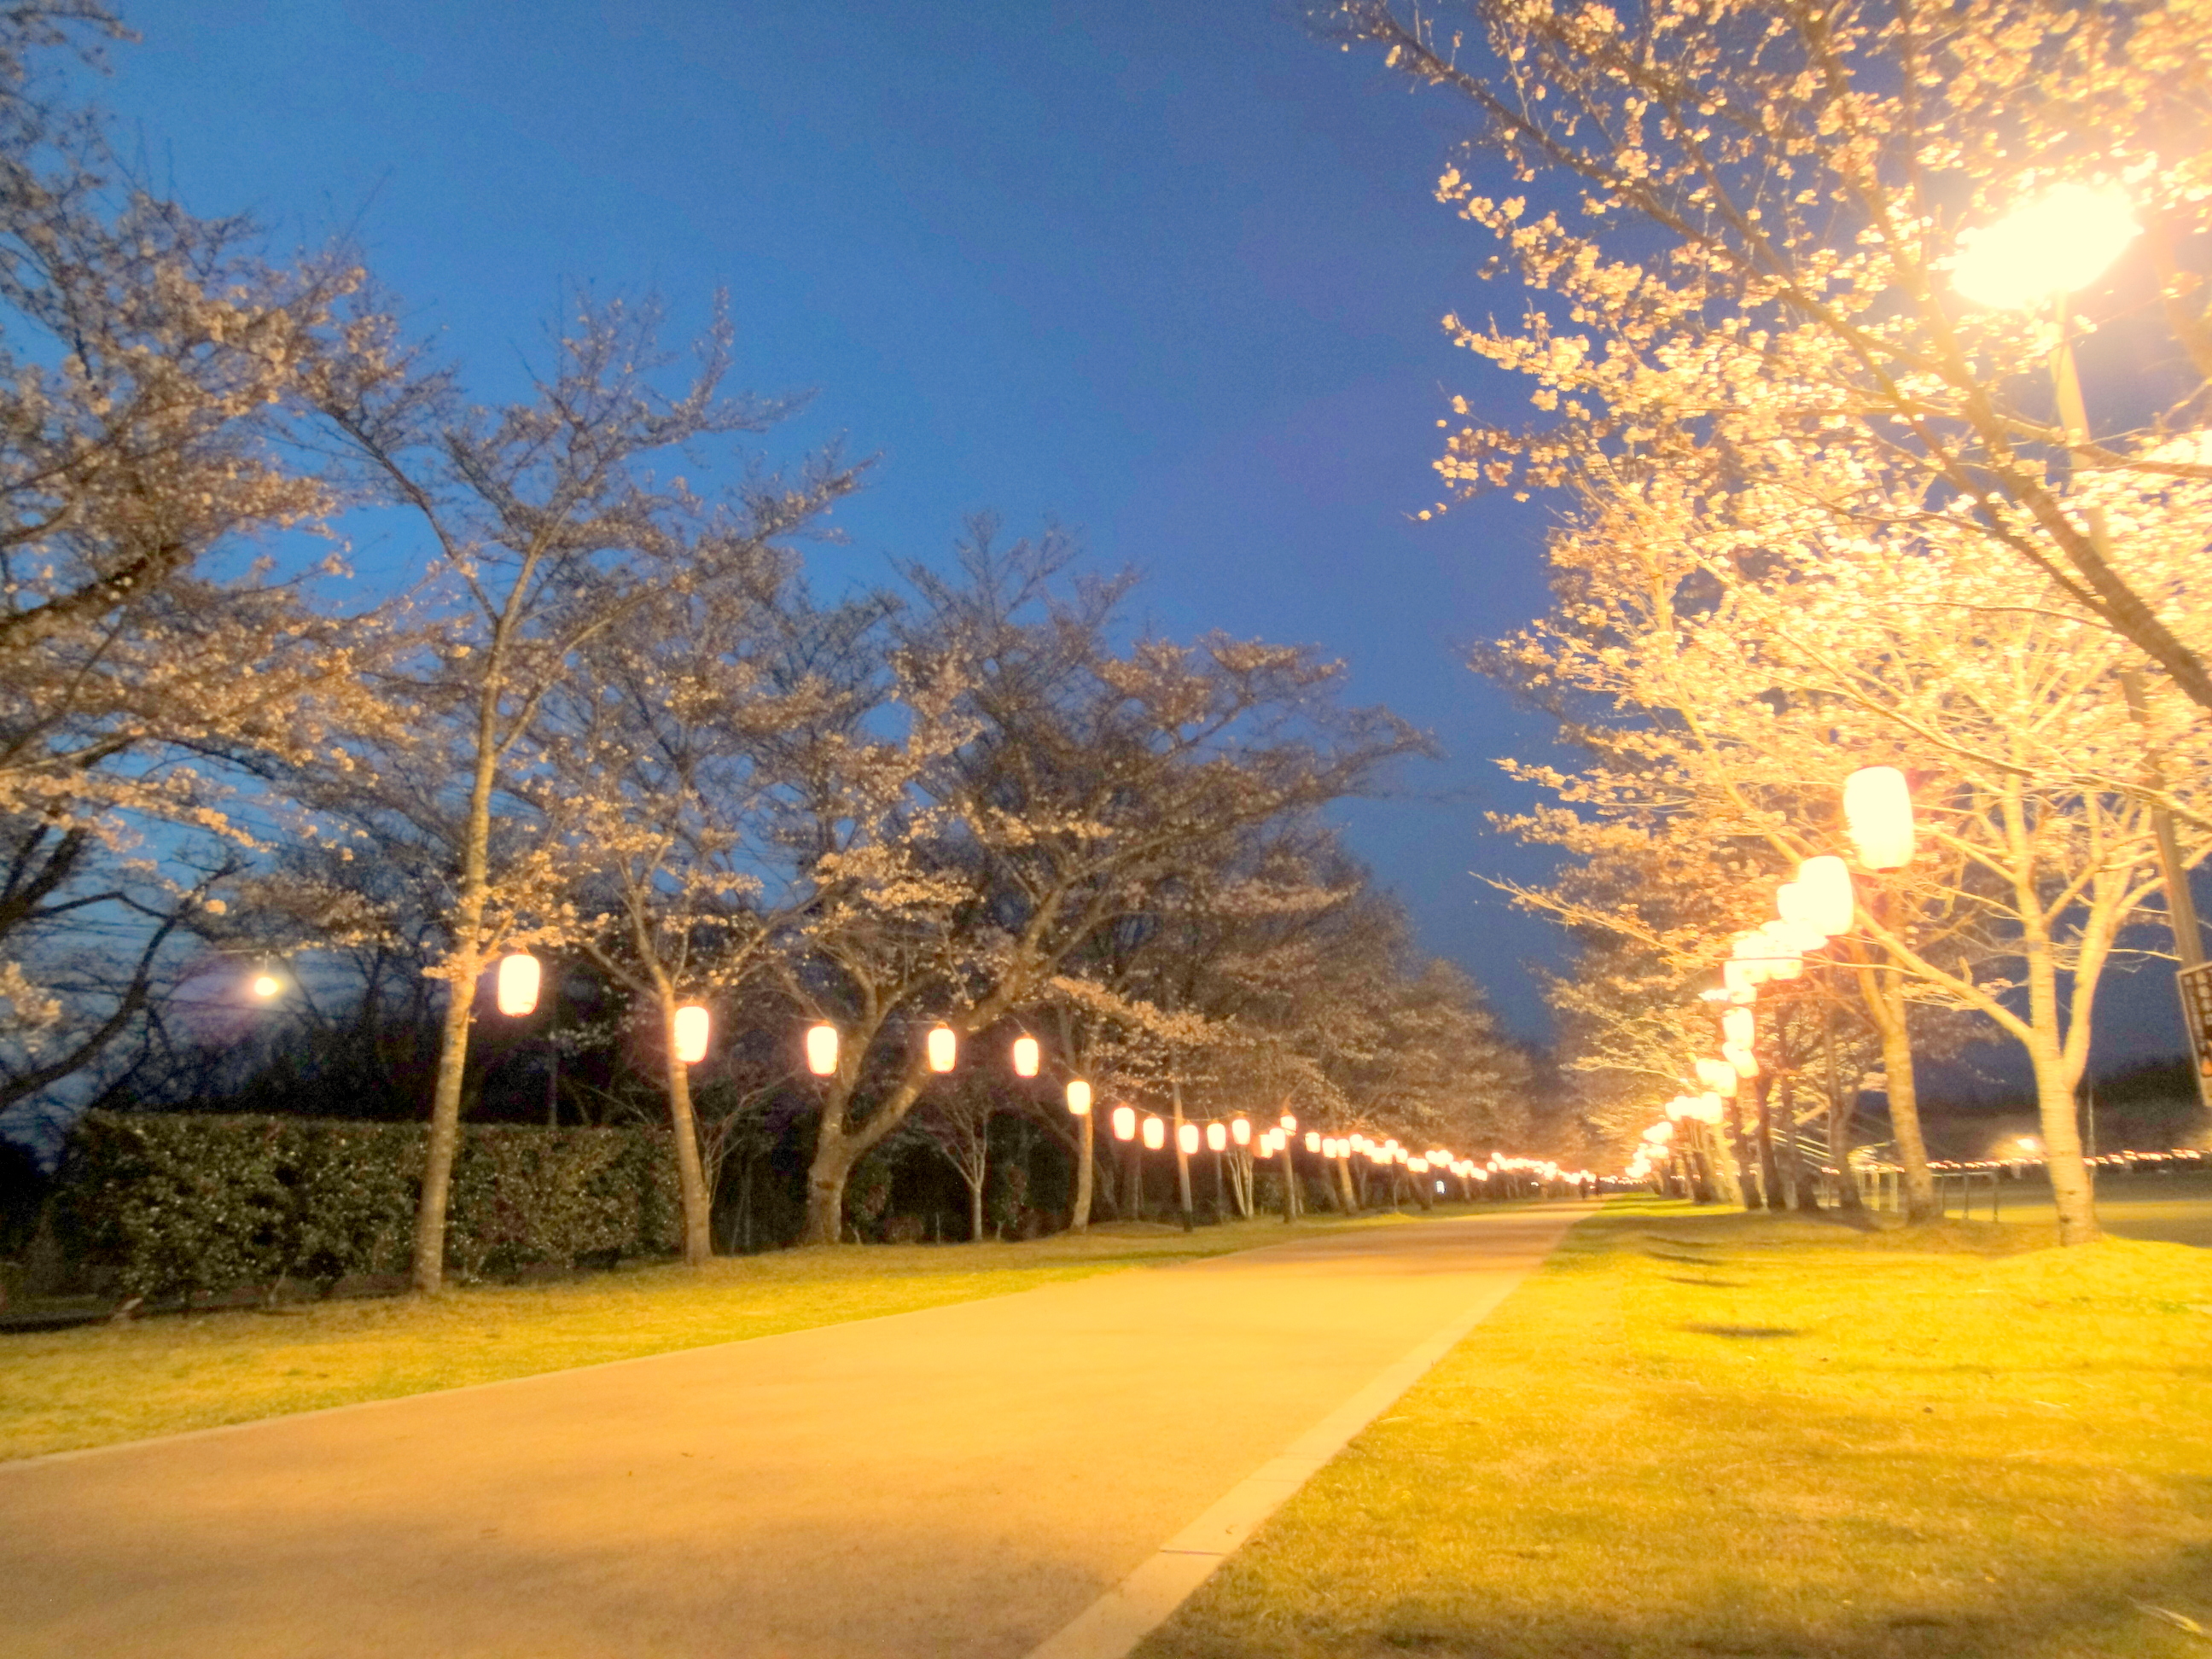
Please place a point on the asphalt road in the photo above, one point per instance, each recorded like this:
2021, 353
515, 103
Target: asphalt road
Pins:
960, 1482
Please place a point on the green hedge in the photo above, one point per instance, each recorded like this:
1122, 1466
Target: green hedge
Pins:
181, 1203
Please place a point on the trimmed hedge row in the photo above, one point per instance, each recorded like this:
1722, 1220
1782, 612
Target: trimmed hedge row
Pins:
180, 1203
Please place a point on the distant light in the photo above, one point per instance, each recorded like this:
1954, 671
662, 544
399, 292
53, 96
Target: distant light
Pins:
1290, 1124
1027, 1056
1156, 1134
692, 1024
516, 988
1313, 1140
1079, 1099
1240, 1131
1187, 1139
267, 986
822, 1050
1125, 1123
1216, 1137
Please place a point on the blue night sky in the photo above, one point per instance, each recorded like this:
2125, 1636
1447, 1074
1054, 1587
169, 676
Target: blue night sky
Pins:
1175, 287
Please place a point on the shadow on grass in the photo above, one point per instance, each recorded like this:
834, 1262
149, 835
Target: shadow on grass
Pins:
1743, 1333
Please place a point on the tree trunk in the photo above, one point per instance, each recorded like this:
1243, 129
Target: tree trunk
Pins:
976, 1209
1839, 1124
1905, 1105
1347, 1196
1182, 1158
429, 1263
833, 1158
1078, 1219
1769, 1173
1791, 1159
690, 1175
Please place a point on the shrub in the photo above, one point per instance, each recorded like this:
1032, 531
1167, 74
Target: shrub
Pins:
180, 1203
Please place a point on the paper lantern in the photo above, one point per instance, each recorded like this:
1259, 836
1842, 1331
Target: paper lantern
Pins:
1745, 1063
1417, 1165
1313, 1140
943, 1049
1708, 1107
1738, 1026
1878, 817
1156, 1134
1240, 1131
1026, 1056
1187, 1139
1079, 1099
1125, 1123
1662, 1133
1825, 884
822, 1050
1290, 1124
690, 1031
1216, 1137
517, 984
1717, 1075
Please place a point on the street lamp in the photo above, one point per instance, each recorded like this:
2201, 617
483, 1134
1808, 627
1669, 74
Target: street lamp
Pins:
2045, 249
265, 985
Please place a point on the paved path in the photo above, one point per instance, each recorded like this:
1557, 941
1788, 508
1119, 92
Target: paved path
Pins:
959, 1481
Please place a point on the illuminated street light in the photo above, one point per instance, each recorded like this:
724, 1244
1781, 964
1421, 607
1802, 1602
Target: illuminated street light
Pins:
2057, 244
1027, 1056
516, 988
691, 1025
266, 985
1079, 1099
822, 1050
1878, 817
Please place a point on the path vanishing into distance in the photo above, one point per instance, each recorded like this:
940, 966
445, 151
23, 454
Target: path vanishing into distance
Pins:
1046, 1473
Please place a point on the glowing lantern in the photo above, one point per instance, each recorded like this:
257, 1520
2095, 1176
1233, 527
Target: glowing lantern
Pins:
1417, 1165
1290, 1124
1240, 1131
1717, 1075
1125, 1123
517, 992
267, 986
1079, 1099
822, 1050
1737, 1026
1026, 1056
1187, 1139
1313, 1141
1216, 1137
1156, 1134
1708, 1106
1738, 980
1825, 885
1878, 816
691, 1033
1744, 1062
1662, 1133
943, 1049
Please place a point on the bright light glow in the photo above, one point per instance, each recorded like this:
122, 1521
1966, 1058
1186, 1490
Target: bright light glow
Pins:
1824, 885
1739, 1026
1745, 1063
1662, 1133
1739, 979
1079, 1099
690, 1028
1706, 1107
1313, 1141
1240, 1131
1878, 817
1417, 1165
1216, 1137
1290, 1124
1156, 1134
1027, 1056
943, 1049
267, 986
2027, 1143
1125, 1123
822, 1050
516, 988
2060, 242
1187, 1139
1718, 1076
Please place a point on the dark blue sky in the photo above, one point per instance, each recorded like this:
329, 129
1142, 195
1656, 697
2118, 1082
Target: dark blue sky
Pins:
1170, 276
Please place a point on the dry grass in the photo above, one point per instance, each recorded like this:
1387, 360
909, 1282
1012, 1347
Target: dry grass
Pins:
96, 1385
1697, 1433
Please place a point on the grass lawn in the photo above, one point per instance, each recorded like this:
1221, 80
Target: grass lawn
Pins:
95, 1385
2174, 1208
1696, 1433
